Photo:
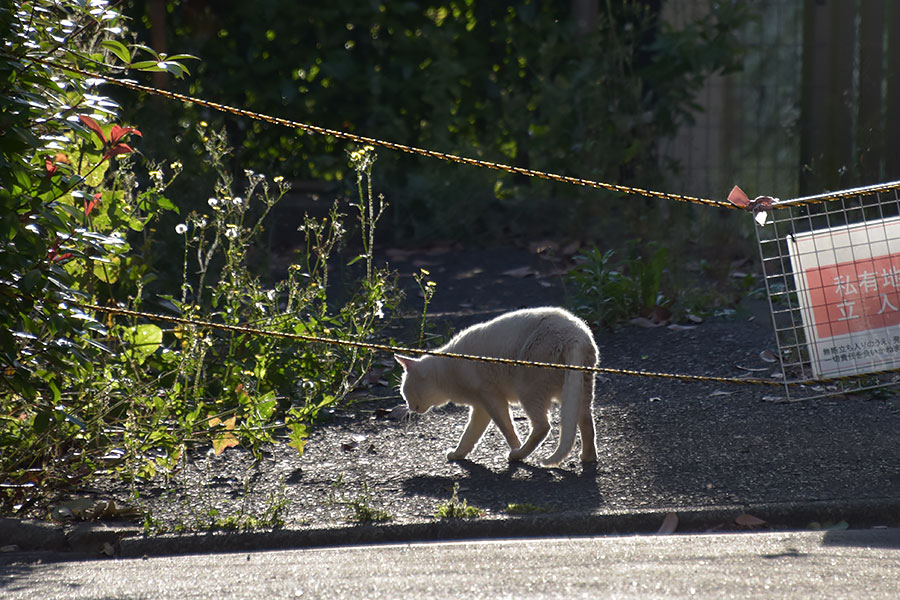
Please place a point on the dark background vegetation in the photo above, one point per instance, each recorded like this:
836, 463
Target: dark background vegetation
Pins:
585, 88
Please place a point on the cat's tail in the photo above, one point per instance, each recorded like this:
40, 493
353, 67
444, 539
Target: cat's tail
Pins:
574, 390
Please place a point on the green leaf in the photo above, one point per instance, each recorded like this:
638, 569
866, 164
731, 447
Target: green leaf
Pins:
142, 341
174, 68
298, 436
41, 421
265, 405
119, 49
107, 269
146, 65
147, 49
182, 57
30, 281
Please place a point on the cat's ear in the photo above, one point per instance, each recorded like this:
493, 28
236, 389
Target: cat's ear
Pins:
405, 361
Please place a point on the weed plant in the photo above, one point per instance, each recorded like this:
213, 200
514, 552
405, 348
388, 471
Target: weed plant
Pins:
606, 291
87, 394
525, 508
361, 506
456, 508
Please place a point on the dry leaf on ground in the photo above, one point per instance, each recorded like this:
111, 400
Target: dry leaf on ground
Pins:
669, 524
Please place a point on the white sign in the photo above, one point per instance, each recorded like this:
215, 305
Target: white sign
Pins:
848, 286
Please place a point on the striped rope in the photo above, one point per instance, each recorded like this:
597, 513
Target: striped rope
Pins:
114, 310
365, 140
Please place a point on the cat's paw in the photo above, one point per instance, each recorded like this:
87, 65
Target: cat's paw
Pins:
454, 455
516, 455
589, 457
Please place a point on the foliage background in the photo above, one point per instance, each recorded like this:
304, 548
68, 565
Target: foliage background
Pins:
522, 82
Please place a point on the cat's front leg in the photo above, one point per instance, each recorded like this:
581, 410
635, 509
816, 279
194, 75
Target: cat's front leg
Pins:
478, 422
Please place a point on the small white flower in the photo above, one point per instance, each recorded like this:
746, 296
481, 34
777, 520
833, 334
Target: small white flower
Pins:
238, 201
379, 305
213, 202
270, 295
231, 232
181, 229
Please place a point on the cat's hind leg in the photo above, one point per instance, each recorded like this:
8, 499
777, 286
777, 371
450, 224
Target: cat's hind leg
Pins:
478, 422
586, 422
540, 427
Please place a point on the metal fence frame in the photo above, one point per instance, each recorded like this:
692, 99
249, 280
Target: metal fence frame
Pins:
800, 216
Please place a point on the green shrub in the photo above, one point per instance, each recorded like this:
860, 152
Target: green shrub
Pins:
88, 393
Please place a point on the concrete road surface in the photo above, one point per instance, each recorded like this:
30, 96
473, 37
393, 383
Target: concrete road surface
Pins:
842, 564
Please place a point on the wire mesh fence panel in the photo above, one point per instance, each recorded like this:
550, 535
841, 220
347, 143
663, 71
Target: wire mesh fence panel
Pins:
832, 274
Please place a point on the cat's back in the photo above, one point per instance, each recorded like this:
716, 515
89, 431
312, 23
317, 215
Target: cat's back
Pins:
512, 334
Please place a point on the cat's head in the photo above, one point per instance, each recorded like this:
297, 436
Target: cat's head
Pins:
417, 387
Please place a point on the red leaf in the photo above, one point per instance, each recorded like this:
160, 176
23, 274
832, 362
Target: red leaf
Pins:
50, 167
118, 133
93, 126
53, 255
90, 204
118, 149
738, 197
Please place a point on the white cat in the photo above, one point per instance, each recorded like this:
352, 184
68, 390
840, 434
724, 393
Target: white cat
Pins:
536, 334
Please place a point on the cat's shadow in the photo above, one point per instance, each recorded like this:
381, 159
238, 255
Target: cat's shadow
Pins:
547, 489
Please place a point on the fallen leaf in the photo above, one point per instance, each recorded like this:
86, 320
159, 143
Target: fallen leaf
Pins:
571, 248
749, 521
108, 549
644, 322
398, 254
520, 272
677, 327
768, 356
87, 509
694, 318
720, 393
543, 246
400, 412
669, 524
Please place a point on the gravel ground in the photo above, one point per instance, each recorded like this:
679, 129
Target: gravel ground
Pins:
664, 445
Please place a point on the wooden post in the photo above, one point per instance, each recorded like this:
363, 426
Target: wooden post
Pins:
870, 141
892, 120
826, 115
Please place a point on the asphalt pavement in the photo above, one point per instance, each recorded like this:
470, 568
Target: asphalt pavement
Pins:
836, 564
